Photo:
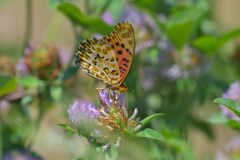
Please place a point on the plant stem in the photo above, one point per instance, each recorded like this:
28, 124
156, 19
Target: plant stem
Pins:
28, 30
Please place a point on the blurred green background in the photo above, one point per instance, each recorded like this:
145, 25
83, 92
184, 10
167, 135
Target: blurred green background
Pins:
187, 54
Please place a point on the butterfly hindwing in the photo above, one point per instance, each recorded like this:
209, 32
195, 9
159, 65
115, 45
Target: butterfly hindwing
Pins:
96, 53
123, 42
90, 68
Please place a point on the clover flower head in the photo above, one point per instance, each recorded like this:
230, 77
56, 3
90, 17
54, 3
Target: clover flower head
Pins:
113, 110
82, 112
110, 98
104, 97
42, 61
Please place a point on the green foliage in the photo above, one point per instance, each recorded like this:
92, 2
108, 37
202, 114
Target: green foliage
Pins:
210, 43
176, 76
148, 119
30, 81
206, 43
151, 134
77, 17
68, 73
223, 119
7, 84
181, 25
56, 92
230, 104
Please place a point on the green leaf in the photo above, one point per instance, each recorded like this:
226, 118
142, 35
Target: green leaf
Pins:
151, 134
30, 81
77, 17
7, 84
206, 43
210, 43
181, 25
179, 32
56, 93
230, 104
70, 72
67, 128
233, 124
227, 37
148, 119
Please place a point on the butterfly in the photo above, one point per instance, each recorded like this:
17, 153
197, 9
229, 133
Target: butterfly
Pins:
109, 58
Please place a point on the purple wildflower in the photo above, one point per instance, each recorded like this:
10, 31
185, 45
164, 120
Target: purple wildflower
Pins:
20, 155
107, 17
182, 64
82, 112
104, 97
118, 99
233, 93
110, 98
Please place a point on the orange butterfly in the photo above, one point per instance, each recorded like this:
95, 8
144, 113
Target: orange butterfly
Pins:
109, 58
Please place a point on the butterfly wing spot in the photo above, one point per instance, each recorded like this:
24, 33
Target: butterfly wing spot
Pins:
104, 51
122, 45
112, 59
94, 62
117, 43
106, 70
114, 72
119, 52
89, 51
98, 50
124, 59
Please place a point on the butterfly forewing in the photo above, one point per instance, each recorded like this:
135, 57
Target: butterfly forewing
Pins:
109, 58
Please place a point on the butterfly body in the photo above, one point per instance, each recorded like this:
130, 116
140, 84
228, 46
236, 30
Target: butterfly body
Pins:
109, 58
